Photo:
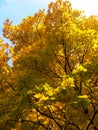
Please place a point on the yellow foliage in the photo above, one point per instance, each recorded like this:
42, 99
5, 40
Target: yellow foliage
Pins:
79, 68
54, 70
67, 82
83, 96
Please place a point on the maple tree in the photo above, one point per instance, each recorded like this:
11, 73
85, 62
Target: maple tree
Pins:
53, 81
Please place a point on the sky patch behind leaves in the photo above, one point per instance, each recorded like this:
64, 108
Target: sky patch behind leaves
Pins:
16, 10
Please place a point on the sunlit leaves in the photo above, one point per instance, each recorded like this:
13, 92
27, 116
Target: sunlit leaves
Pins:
83, 96
79, 69
53, 79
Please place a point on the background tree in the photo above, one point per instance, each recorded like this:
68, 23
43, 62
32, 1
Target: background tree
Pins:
53, 81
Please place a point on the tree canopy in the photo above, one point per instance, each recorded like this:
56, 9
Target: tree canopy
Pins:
53, 81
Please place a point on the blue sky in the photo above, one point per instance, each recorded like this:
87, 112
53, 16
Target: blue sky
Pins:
18, 9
